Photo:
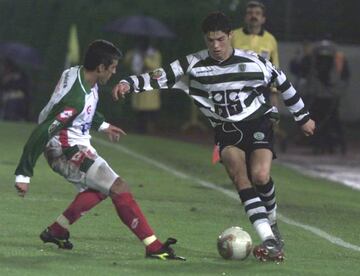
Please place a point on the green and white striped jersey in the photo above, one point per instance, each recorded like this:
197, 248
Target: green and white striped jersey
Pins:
65, 121
233, 90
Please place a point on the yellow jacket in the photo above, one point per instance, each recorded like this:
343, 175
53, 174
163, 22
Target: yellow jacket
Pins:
264, 44
150, 60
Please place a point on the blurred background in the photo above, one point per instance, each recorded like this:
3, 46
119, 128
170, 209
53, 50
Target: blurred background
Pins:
42, 37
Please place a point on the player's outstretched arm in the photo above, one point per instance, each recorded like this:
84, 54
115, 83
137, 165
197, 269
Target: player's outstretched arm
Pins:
120, 90
308, 128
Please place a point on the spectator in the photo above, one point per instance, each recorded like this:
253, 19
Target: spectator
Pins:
327, 83
144, 58
254, 37
14, 92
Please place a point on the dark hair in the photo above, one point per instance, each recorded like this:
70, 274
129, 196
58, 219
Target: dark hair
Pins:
216, 21
256, 4
101, 52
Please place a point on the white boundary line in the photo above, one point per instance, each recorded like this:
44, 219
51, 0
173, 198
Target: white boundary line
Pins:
231, 194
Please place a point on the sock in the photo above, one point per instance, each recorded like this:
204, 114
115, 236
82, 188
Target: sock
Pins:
256, 213
267, 195
132, 216
82, 203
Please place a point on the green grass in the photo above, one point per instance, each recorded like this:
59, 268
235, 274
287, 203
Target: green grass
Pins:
174, 207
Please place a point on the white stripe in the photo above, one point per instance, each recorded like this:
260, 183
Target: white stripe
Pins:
177, 70
268, 193
149, 240
233, 195
81, 84
250, 201
215, 70
288, 93
254, 211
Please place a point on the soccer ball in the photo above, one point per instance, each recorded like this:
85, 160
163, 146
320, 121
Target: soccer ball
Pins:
234, 243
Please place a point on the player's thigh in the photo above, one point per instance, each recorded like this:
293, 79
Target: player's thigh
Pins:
82, 166
100, 176
260, 165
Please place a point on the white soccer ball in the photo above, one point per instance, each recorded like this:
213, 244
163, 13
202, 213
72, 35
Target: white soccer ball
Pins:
234, 243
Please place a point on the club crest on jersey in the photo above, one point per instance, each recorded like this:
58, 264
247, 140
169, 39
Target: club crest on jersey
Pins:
65, 114
53, 126
242, 67
88, 109
259, 136
155, 75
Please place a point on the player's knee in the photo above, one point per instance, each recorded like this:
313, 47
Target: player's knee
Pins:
119, 186
260, 177
241, 182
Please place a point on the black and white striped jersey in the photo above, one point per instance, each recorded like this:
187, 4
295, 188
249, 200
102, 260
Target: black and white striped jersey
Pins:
233, 90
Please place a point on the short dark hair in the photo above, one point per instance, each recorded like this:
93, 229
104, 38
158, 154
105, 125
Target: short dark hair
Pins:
101, 52
256, 4
216, 21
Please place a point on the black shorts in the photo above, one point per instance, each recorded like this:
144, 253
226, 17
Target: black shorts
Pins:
246, 135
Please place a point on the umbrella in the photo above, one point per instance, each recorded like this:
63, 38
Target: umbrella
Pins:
141, 26
20, 53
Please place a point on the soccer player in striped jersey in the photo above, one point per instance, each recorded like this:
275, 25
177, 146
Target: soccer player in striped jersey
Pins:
230, 88
63, 134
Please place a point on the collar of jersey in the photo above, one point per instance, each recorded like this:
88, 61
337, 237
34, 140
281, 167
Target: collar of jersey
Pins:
246, 31
223, 62
84, 85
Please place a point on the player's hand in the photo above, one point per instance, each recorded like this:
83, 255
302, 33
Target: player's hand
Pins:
21, 188
308, 128
120, 90
114, 133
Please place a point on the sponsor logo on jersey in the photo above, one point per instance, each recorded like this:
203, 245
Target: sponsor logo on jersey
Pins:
204, 71
88, 109
155, 75
66, 79
85, 128
242, 67
65, 114
259, 136
53, 126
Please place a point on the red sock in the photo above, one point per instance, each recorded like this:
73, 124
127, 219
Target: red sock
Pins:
82, 203
131, 215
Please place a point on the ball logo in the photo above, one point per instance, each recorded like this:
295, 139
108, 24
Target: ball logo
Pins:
259, 136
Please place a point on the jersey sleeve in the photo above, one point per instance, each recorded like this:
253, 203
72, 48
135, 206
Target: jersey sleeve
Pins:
161, 78
98, 120
40, 136
290, 96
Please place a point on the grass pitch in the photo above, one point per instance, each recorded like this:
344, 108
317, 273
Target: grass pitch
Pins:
175, 206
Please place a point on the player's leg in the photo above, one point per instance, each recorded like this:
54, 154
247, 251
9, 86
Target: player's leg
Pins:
58, 232
71, 169
101, 177
260, 165
234, 161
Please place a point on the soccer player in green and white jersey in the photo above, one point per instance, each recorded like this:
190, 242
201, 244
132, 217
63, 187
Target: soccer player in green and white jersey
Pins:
230, 88
63, 135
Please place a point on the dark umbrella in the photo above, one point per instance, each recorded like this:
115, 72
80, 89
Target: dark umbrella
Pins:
141, 26
20, 53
